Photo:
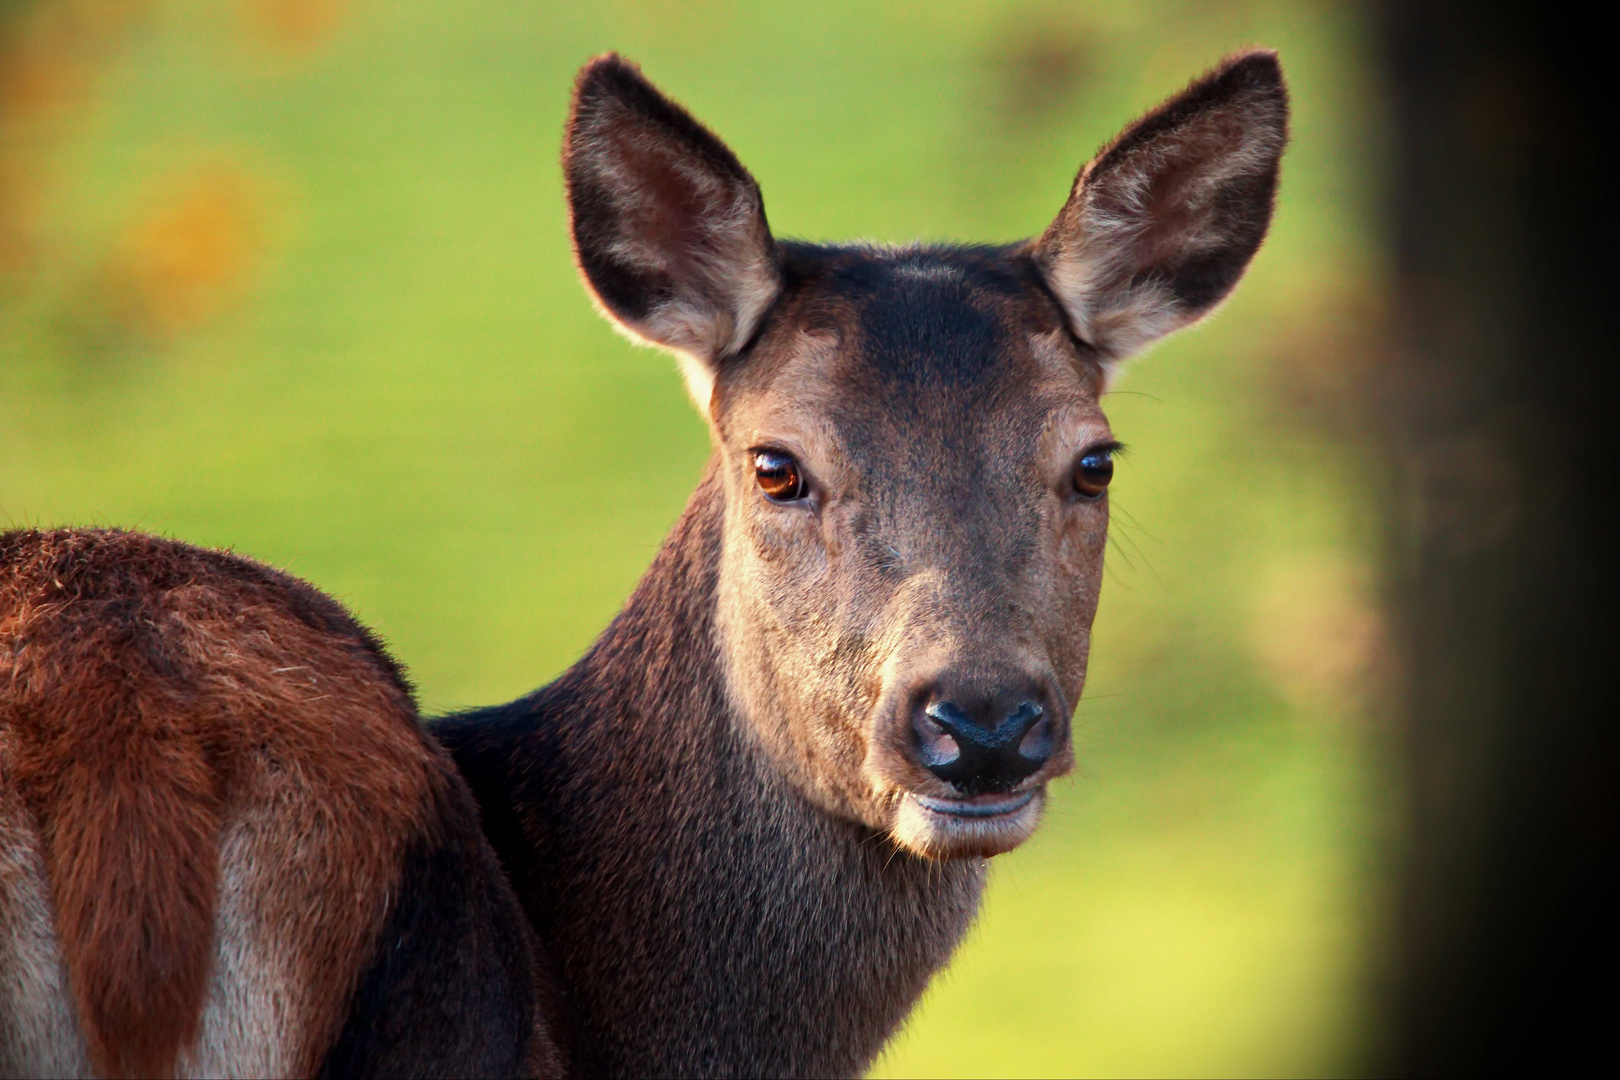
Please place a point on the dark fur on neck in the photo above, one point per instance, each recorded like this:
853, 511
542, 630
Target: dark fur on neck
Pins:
703, 917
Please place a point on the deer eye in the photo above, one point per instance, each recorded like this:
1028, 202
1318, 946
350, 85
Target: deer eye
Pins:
779, 476
1092, 473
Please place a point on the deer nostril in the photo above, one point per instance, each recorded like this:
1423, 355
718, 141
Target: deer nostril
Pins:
936, 747
1036, 745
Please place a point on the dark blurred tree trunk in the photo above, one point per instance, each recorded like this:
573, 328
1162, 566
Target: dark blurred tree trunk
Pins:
1503, 424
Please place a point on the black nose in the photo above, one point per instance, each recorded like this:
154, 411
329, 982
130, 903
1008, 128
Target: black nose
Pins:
982, 749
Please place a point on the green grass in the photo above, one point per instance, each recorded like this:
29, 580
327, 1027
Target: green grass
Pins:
413, 405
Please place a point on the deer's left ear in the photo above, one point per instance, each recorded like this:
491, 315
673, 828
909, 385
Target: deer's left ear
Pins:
1161, 225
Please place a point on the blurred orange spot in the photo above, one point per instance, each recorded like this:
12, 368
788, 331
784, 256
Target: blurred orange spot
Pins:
192, 257
1317, 632
36, 79
295, 26
49, 54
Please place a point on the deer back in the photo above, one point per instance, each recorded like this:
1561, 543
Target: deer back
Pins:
226, 847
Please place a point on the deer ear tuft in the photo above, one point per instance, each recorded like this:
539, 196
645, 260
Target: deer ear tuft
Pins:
668, 228
1161, 225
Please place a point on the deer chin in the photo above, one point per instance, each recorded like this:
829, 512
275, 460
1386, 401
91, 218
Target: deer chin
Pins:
976, 827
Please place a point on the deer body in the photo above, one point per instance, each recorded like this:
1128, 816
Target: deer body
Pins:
752, 822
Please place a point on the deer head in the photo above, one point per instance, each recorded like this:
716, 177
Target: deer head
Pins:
914, 460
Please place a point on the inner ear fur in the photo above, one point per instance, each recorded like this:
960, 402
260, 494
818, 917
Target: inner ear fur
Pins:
1163, 222
668, 228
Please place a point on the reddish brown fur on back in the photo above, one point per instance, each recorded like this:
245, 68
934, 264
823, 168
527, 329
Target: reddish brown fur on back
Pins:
158, 695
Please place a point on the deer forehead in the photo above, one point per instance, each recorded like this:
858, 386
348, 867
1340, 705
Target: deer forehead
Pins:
900, 358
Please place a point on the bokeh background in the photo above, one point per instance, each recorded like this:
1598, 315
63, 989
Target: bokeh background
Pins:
292, 277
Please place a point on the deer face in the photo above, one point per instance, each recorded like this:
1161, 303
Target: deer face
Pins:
915, 469
914, 461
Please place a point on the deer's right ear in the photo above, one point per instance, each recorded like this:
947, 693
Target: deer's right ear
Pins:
668, 227
1161, 225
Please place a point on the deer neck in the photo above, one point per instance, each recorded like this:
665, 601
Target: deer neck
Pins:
700, 915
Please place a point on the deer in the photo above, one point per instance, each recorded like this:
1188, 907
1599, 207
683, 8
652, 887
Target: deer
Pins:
754, 819
741, 834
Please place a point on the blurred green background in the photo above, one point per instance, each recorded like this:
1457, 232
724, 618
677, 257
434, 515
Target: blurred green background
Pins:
291, 276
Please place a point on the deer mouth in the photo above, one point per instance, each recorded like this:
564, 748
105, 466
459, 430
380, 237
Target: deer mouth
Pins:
976, 826
977, 806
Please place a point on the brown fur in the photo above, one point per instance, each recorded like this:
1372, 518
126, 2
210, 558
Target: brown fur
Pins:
160, 701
